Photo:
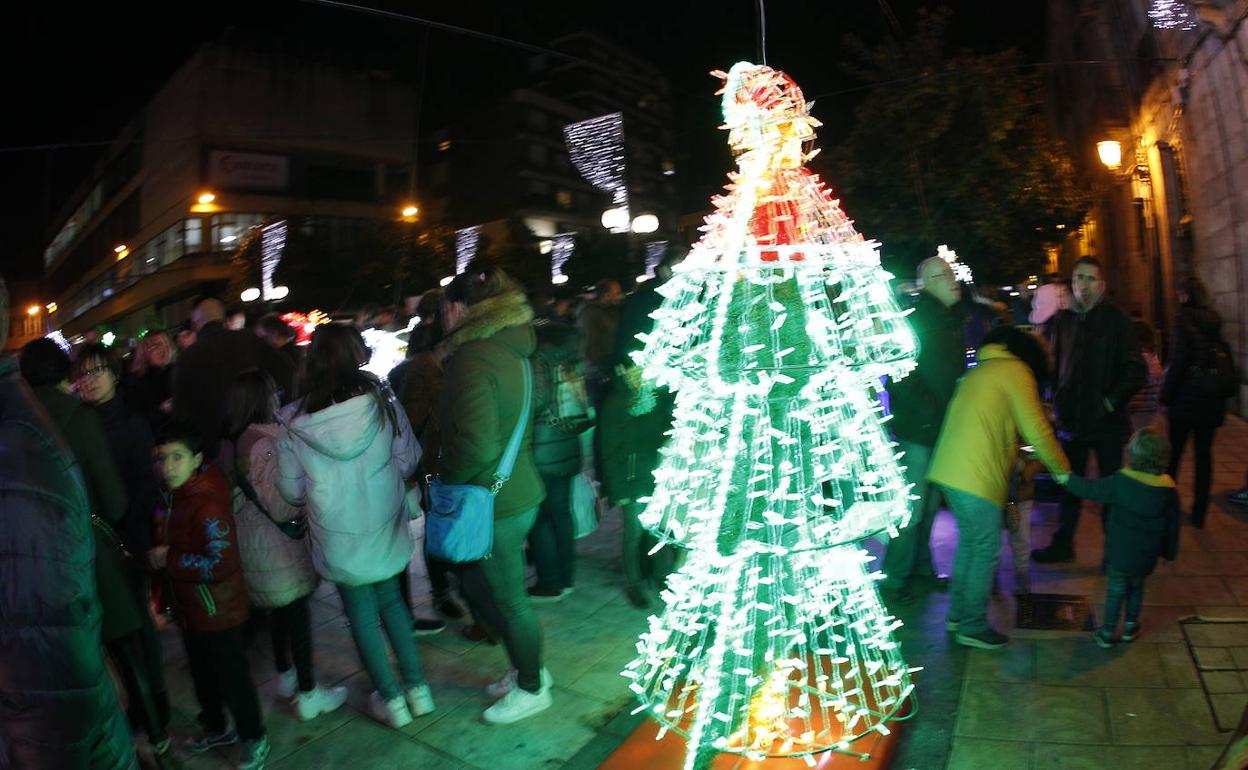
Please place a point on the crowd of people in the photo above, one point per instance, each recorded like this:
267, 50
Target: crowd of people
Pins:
222, 474
1081, 380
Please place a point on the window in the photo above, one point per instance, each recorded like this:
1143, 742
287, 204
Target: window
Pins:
194, 234
564, 199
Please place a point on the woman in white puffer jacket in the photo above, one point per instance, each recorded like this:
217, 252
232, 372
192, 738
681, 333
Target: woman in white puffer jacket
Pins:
276, 567
344, 451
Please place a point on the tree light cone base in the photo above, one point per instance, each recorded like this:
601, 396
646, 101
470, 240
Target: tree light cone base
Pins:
641, 750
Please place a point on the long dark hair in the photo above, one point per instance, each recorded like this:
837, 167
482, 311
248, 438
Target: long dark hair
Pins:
331, 372
1026, 347
251, 400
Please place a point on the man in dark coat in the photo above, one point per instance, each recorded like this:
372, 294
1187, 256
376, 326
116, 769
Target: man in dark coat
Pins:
1098, 370
918, 404
58, 707
626, 445
205, 370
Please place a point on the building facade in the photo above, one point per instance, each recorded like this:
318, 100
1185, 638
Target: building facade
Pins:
233, 140
512, 157
1168, 82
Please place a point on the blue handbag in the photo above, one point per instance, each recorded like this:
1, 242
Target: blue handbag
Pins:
460, 524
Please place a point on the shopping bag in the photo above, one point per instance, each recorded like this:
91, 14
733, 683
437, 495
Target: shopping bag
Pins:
584, 504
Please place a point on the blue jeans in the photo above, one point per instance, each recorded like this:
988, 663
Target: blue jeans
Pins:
975, 563
910, 553
1122, 588
498, 596
370, 606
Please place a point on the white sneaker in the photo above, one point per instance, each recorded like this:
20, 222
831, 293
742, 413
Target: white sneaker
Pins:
419, 700
516, 705
287, 683
508, 683
321, 700
392, 713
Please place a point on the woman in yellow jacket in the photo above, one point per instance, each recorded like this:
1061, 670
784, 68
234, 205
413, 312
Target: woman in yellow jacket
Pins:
994, 404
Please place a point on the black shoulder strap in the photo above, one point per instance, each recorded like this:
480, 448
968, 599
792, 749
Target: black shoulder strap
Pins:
244, 484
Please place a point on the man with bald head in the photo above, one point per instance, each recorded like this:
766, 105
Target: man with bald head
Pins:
205, 370
918, 405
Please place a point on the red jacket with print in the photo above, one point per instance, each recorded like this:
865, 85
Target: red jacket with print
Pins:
203, 570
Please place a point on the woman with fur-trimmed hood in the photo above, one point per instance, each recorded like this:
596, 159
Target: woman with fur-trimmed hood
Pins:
489, 336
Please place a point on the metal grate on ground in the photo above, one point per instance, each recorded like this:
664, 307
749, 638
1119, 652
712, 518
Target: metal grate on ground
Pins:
1055, 612
1220, 650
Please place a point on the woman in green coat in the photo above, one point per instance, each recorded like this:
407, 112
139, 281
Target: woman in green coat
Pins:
490, 336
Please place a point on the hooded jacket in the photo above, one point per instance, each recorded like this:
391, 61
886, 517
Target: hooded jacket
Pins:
58, 707
277, 569
993, 405
1145, 524
203, 569
347, 464
1196, 331
1097, 360
483, 399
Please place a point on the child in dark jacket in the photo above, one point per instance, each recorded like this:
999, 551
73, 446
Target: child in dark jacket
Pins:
1143, 526
197, 550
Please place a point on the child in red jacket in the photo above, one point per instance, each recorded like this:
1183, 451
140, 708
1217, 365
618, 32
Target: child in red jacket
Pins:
197, 549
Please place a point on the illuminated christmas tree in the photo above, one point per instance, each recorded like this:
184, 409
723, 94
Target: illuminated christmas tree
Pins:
773, 334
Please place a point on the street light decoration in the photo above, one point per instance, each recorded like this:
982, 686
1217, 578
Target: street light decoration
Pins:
1172, 14
773, 333
272, 244
467, 241
596, 147
561, 249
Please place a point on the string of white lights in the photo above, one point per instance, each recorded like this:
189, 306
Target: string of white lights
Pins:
773, 334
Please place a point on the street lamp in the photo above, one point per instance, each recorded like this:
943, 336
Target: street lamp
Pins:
616, 219
250, 295
645, 223
121, 250
409, 212
1110, 153
205, 203
32, 310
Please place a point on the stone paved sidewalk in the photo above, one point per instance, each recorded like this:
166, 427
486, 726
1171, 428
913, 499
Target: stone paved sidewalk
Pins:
589, 637
1050, 700
1054, 699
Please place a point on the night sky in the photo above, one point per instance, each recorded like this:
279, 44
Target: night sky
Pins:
77, 72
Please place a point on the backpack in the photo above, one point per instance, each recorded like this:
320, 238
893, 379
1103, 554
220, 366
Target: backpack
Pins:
1218, 378
1212, 369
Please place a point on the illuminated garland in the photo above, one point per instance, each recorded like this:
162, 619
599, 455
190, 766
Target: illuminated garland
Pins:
596, 147
1172, 14
467, 240
562, 247
773, 333
272, 241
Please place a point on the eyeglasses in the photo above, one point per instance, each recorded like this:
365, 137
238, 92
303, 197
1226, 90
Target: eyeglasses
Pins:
94, 371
